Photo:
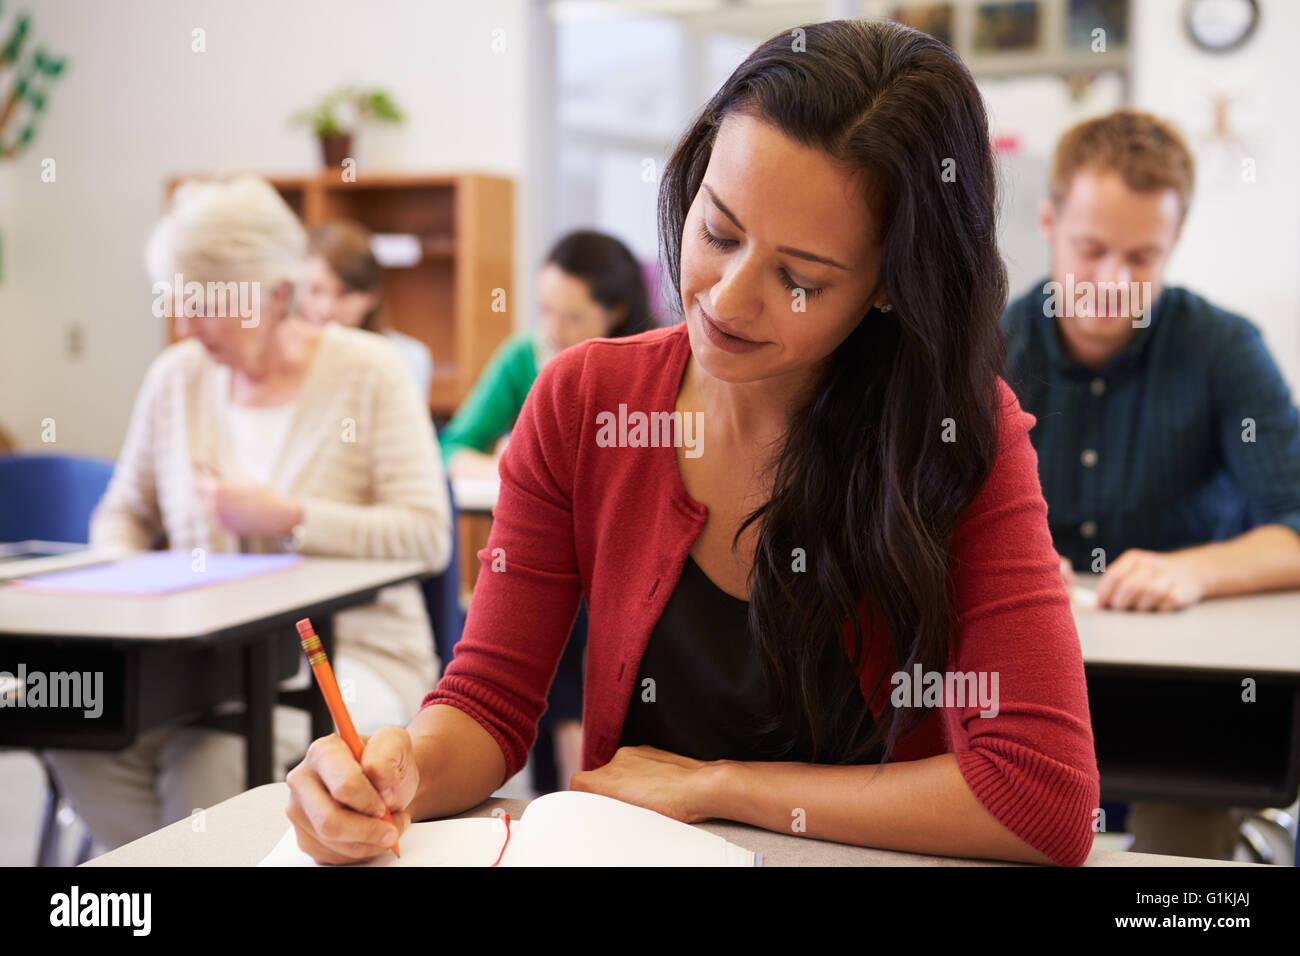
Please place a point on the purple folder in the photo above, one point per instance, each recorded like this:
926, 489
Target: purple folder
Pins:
159, 572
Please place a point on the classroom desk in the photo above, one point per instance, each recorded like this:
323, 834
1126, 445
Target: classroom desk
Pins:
476, 495
174, 658
1165, 691
475, 498
242, 830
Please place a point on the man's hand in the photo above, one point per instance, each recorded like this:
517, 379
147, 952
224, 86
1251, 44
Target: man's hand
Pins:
1148, 581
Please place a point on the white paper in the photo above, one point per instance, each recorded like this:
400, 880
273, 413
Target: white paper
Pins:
1084, 597
396, 250
567, 828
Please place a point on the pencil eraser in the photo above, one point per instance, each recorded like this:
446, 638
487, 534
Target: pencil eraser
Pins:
305, 629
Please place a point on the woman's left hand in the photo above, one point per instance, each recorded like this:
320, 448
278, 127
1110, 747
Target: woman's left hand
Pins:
667, 783
249, 509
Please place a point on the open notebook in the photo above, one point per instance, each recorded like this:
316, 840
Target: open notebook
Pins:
566, 828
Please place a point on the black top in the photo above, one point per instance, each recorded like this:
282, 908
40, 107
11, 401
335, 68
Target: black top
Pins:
707, 688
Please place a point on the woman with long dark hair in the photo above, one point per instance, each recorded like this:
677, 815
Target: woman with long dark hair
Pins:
806, 521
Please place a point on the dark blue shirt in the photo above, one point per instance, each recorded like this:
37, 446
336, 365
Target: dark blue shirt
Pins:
1188, 435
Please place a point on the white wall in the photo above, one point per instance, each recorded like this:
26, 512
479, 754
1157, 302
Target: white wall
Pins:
137, 105
1241, 244
1031, 112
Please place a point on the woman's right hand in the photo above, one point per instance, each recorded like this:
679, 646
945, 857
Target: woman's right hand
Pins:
337, 805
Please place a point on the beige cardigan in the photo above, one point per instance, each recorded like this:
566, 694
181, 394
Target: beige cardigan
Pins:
359, 455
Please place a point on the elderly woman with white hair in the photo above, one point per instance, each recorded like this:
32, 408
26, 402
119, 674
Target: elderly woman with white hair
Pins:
259, 432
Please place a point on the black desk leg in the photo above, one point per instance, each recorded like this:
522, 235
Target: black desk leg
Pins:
259, 700
322, 725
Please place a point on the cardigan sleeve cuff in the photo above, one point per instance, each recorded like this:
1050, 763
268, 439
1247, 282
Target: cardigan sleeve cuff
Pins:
1049, 805
506, 724
317, 532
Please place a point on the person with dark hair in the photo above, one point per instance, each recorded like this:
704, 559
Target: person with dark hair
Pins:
806, 521
343, 282
590, 286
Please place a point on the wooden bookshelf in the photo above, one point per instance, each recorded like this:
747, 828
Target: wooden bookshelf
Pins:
465, 223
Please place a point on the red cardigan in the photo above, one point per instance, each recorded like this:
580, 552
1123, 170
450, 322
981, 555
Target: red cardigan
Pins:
616, 525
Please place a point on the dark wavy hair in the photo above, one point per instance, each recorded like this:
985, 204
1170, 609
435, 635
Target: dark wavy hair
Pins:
864, 481
612, 274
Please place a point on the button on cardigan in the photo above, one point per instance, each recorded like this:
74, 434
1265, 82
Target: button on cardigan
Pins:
616, 525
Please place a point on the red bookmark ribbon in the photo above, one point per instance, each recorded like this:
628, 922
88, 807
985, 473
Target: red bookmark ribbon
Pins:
507, 843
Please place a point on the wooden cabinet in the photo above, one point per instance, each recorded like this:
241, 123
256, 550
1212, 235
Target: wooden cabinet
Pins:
457, 298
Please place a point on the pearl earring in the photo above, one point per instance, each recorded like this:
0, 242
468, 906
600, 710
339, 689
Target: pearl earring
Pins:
886, 307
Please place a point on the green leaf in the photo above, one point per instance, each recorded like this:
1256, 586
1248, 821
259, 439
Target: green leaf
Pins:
382, 106
331, 100
26, 135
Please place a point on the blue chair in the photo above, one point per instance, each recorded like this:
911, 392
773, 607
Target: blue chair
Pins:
442, 595
50, 497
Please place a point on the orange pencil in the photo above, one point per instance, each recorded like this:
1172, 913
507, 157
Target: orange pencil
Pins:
320, 666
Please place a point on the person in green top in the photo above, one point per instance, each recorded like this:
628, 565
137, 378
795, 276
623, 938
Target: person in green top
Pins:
590, 286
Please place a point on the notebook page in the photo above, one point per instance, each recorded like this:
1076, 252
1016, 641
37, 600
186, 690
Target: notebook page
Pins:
571, 828
473, 842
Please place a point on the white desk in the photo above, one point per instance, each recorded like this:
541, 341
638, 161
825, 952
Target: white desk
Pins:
476, 495
242, 830
172, 658
199, 612
1166, 697
1258, 633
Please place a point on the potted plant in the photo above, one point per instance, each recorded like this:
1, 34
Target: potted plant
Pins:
336, 116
